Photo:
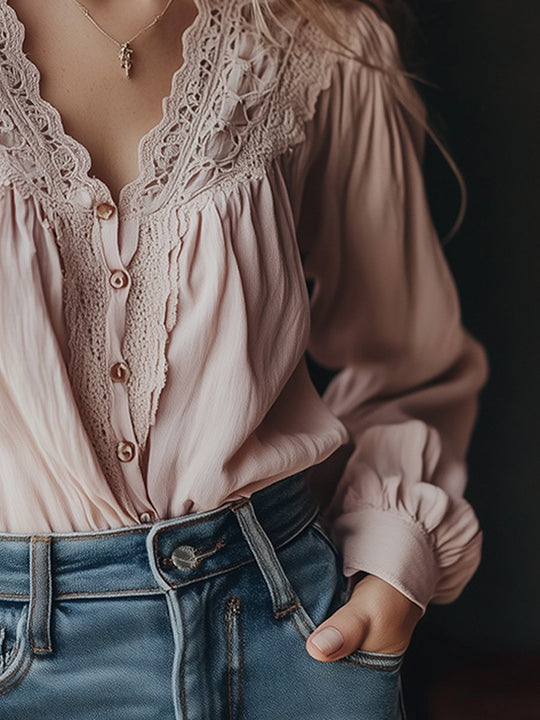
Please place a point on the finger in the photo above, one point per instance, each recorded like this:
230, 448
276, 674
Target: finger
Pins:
340, 634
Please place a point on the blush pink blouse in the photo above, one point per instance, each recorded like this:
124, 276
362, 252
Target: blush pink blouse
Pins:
152, 352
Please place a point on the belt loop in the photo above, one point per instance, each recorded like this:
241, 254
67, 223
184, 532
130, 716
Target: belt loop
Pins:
39, 616
284, 599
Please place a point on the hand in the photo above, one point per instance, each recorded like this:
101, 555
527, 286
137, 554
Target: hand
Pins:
376, 618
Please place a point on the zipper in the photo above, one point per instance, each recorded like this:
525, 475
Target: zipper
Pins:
234, 657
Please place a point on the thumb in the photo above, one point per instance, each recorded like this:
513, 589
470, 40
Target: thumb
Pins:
340, 634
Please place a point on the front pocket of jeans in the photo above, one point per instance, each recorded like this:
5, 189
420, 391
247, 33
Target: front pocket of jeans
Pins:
320, 594
15, 651
375, 661
319, 525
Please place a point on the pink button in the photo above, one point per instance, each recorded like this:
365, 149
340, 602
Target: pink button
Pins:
120, 372
105, 211
119, 279
125, 451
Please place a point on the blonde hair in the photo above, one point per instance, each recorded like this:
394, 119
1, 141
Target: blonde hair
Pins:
324, 13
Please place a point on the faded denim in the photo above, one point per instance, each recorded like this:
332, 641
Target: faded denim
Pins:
201, 617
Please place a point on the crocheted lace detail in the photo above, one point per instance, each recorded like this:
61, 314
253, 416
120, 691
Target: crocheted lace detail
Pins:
86, 297
38, 157
238, 102
150, 317
234, 91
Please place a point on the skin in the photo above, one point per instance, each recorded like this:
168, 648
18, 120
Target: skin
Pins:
377, 618
81, 74
108, 114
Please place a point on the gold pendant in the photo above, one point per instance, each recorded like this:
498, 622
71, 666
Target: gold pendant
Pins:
125, 56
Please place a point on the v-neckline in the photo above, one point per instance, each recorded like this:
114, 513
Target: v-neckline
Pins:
189, 38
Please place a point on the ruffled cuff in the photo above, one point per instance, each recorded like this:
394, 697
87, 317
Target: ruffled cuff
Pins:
425, 564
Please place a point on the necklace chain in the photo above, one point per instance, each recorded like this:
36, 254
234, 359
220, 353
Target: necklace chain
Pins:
125, 54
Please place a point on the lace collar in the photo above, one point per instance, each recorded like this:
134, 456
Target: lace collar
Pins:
68, 160
238, 101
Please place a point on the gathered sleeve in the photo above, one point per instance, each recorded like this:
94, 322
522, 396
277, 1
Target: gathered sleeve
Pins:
386, 316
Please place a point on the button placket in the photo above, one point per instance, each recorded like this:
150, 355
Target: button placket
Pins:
113, 238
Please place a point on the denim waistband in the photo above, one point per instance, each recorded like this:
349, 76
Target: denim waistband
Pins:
151, 558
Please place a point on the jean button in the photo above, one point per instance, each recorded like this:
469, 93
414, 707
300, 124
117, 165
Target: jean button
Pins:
184, 557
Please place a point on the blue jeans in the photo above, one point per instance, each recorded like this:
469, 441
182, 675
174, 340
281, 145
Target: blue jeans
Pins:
201, 617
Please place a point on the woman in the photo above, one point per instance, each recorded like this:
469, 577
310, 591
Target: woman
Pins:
162, 448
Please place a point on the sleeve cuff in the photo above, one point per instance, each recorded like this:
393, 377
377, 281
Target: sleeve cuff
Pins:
390, 546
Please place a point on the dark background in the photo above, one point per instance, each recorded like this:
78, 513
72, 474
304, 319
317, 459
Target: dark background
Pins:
480, 657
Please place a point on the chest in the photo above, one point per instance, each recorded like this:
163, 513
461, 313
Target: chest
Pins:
81, 73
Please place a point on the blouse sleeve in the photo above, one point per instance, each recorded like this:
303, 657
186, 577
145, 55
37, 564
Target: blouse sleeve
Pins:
386, 315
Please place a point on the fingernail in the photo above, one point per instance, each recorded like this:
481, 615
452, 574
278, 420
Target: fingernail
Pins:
328, 640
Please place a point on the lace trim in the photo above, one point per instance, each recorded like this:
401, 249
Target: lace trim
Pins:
237, 103
150, 316
41, 158
234, 91
57, 163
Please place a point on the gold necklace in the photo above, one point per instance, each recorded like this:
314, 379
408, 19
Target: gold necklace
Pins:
125, 54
